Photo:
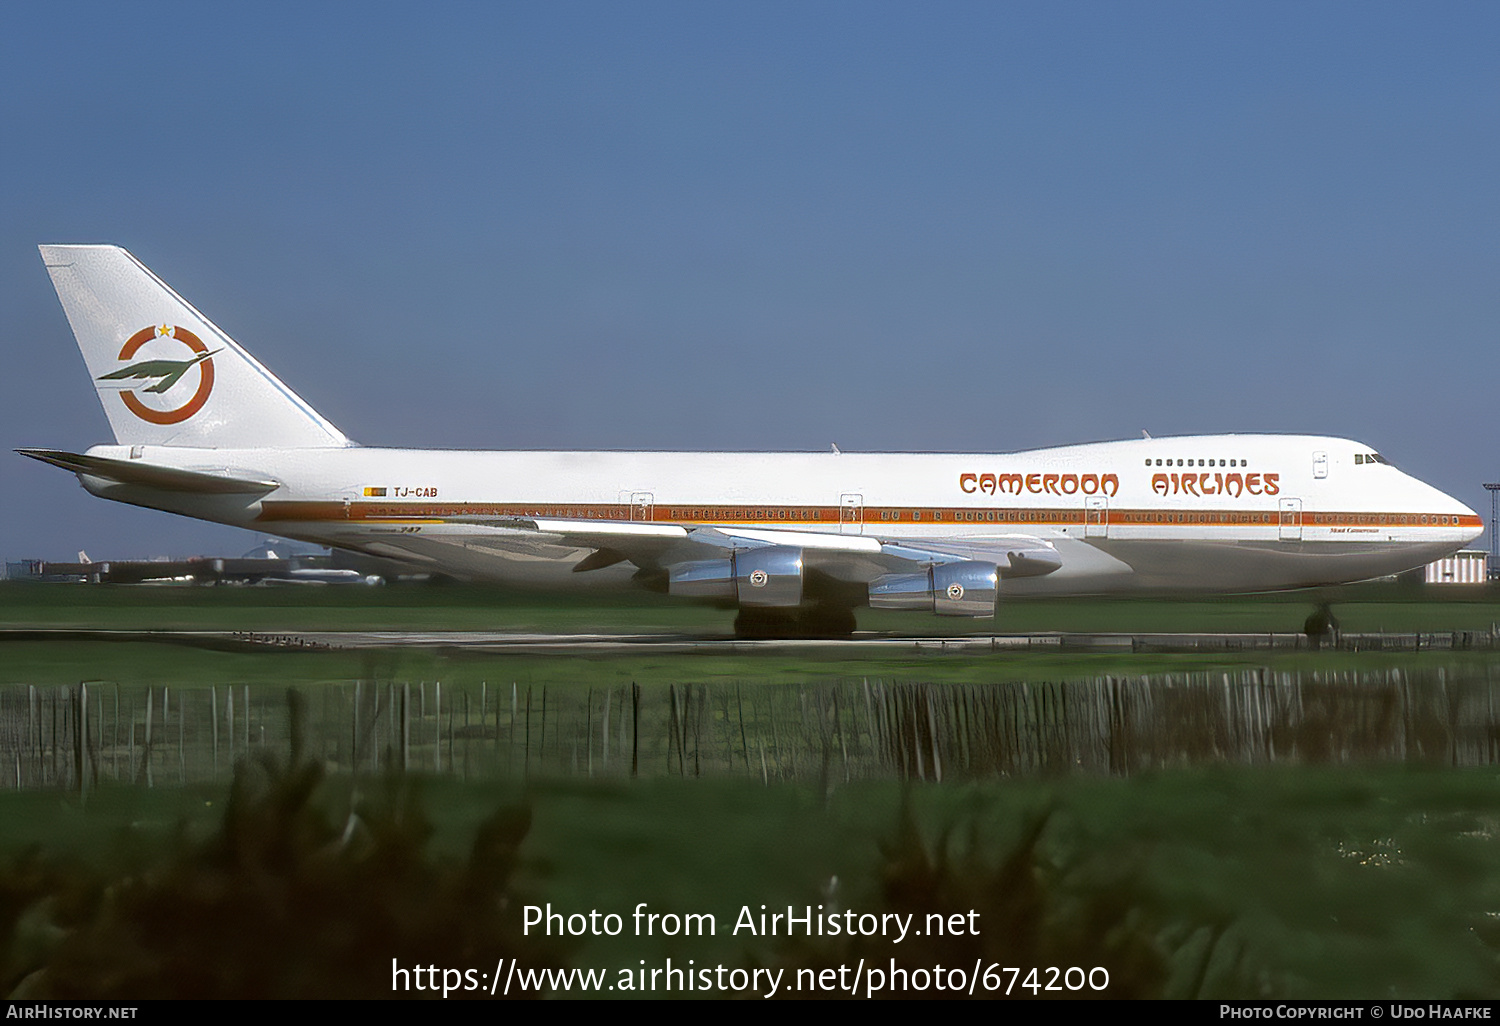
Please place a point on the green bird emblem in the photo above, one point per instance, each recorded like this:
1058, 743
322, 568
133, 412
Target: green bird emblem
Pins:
170, 371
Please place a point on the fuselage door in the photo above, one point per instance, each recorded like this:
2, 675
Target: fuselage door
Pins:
1095, 516
851, 513
641, 505
1291, 520
1320, 465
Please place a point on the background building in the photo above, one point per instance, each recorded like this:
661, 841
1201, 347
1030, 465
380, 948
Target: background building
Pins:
1467, 566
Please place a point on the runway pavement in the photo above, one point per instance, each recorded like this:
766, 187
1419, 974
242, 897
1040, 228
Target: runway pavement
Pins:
500, 641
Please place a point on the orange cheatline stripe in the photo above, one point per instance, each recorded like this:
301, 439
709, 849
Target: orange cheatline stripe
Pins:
873, 516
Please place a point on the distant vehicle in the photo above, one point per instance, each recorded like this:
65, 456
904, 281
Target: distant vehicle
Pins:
796, 541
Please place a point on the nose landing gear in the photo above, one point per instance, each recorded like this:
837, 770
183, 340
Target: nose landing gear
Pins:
1322, 627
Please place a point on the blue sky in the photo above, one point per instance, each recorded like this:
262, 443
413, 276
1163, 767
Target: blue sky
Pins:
937, 226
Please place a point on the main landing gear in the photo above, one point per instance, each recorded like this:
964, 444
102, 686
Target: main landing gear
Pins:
1322, 627
809, 622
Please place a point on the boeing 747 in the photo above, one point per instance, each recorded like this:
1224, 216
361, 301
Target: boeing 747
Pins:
795, 541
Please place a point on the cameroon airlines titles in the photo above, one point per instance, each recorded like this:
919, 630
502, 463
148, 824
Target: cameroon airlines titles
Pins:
795, 541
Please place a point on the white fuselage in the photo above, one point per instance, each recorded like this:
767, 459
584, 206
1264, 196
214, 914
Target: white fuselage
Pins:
1214, 512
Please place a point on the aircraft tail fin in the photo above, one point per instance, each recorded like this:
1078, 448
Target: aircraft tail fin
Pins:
165, 373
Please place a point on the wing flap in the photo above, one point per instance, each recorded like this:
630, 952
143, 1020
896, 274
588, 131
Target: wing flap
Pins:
738, 537
1020, 555
613, 541
583, 532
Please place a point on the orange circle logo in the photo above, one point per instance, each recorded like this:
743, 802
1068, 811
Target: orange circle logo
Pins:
159, 375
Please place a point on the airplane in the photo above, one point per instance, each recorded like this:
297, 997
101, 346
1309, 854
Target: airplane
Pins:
795, 541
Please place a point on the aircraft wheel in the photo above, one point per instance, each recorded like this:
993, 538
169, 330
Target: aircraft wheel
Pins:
765, 623
1322, 627
828, 622
817, 622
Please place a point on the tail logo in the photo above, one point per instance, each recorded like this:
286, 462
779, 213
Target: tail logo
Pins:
158, 376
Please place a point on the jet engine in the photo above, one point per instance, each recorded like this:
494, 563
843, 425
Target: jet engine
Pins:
769, 576
947, 589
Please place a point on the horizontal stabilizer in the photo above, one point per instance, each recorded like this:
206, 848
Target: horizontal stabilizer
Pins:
168, 479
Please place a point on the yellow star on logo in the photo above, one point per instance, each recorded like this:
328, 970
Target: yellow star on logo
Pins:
167, 330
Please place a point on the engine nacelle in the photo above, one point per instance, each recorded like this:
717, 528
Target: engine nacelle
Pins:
947, 589
770, 576
702, 579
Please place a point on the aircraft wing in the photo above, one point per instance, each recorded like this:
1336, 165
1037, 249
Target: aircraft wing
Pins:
1015, 555
846, 557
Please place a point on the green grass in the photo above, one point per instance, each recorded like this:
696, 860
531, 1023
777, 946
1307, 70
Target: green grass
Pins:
408, 607
1335, 883
1368, 608
473, 607
1291, 881
49, 664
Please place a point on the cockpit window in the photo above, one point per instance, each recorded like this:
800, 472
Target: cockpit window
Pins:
1370, 457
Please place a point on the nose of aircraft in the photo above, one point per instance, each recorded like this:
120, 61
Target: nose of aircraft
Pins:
1465, 526
1471, 522
1475, 522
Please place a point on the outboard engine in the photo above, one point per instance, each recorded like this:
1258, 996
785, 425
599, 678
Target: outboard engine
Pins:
948, 589
769, 576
